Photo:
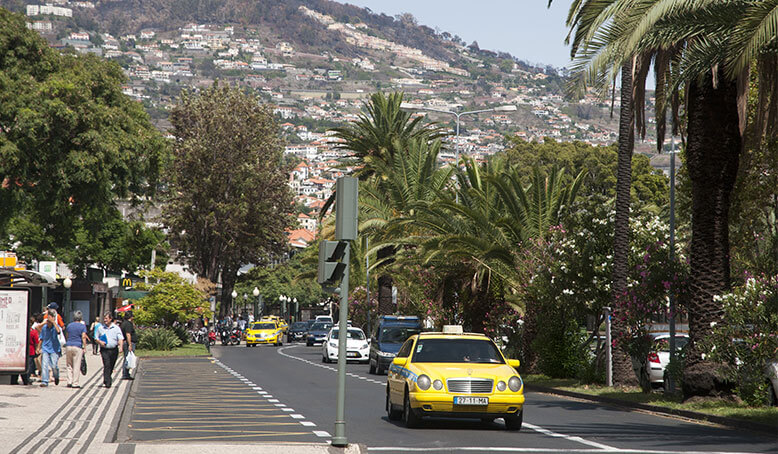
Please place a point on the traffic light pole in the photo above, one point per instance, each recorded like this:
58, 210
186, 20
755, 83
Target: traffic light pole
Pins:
340, 413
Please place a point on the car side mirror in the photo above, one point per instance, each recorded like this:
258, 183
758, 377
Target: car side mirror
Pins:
514, 363
400, 362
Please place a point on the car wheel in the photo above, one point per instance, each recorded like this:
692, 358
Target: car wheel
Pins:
391, 413
513, 422
372, 367
410, 418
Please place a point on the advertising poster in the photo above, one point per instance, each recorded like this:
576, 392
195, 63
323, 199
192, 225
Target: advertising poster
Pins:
13, 330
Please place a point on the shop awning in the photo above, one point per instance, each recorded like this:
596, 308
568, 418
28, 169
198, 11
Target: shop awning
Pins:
26, 278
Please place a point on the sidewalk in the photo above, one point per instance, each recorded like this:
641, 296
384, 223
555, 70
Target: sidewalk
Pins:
58, 419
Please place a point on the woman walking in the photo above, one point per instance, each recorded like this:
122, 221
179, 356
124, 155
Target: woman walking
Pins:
93, 329
75, 347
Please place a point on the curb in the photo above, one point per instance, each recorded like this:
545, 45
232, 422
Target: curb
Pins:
693, 415
121, 431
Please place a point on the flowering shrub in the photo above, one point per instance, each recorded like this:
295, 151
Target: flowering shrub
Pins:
747, 339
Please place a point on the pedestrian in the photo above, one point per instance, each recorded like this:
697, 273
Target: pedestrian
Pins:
111, 341
75, 347
50, 347
55, 306
130, 339
93, 330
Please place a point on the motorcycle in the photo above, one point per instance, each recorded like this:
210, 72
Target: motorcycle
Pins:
225, 336
211, 338
235, 336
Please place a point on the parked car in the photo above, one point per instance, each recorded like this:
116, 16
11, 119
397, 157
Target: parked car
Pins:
296, 331
357, 346
772, 375
324, 318
660, 356
317, 333
389, 334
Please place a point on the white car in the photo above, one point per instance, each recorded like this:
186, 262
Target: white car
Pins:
357, 346
658, 359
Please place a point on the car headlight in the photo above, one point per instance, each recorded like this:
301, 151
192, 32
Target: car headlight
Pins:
333, 345
386, 354
423, 382
501, 385
365, 345
437, 384
514, 383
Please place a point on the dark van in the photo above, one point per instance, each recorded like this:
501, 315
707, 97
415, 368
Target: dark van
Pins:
389, 334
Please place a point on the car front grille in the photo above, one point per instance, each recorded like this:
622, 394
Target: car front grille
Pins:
469, 385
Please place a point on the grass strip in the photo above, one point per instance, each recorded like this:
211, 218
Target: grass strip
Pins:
184, 350
725, 407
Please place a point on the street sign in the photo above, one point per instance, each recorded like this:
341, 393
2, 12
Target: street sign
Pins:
48, 268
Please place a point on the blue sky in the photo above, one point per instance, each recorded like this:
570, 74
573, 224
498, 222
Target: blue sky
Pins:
525, 28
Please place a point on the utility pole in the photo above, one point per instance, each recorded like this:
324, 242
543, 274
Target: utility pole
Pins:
670, 379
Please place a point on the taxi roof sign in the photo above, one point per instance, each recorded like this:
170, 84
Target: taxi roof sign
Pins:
453, 329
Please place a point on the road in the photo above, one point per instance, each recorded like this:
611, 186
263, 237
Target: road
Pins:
296, 393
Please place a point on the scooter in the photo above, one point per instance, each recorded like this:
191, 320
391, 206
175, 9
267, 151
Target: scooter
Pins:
211, 338
225, 336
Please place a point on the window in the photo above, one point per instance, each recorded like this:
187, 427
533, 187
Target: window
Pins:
405, 350
263, 326
456, 351
397, 334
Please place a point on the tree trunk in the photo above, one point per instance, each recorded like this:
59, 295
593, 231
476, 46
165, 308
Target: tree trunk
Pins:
622, 364
713, 150
385, 306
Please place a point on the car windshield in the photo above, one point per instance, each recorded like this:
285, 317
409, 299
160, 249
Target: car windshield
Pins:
663, 343
352, 334
321, 326
263, 326
397, 334
299, 326
456, 351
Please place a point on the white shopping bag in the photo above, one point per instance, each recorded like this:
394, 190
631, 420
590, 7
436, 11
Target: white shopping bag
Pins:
129, 363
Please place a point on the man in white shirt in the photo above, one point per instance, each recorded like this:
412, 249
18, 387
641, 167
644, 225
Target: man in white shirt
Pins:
111, 340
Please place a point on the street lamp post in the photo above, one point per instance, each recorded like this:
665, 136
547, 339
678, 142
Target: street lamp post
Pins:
255, 292
296, 310
283, 299
234, 295
671, 296
67, 283
457, 116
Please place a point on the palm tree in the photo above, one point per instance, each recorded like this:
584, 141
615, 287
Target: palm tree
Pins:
713, 44
584, 19
382, 130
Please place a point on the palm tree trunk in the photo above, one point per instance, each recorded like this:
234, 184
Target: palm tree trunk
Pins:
385, 304
713, 150
622, 364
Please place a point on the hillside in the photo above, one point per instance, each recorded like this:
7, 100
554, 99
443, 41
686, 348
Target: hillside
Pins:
317, 60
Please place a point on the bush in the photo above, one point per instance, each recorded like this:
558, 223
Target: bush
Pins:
180, 331
747, 337
158, 339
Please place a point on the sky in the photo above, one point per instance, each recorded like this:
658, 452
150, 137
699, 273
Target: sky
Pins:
527, 29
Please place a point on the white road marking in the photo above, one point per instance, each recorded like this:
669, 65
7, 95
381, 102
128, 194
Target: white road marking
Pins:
257, 388
308, 423
569, 437
297, 416
321, 433
512, 449
280, 405
287, 409
273, 400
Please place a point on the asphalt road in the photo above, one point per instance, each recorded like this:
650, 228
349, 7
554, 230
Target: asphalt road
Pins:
302, 390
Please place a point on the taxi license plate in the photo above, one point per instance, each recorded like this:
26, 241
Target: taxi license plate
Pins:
463, 400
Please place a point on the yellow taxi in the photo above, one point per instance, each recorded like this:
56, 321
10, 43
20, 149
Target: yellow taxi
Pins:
454, 374
264, 332
278, 320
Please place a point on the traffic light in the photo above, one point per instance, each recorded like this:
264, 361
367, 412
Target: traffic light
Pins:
331, 268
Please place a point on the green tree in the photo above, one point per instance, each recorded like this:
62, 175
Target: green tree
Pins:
70, 142
170, 299
228, 202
